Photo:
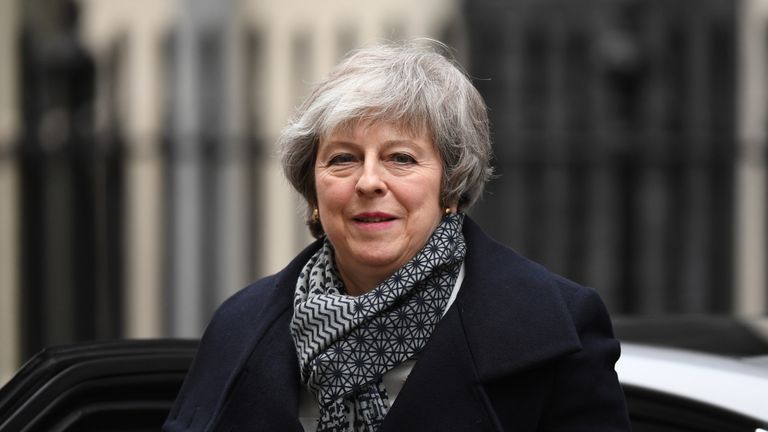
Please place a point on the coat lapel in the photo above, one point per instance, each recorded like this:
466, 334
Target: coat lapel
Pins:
508, 319
441, 393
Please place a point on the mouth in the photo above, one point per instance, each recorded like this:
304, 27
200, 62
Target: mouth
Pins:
375, 217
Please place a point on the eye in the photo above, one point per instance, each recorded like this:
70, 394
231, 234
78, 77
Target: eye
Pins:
340, 159
402, 159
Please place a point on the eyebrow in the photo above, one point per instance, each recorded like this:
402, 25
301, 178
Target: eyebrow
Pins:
386, 144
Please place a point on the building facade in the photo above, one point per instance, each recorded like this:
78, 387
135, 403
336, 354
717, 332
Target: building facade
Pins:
140, 184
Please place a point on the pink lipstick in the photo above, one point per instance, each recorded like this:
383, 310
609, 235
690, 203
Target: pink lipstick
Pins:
373, 217
373, 220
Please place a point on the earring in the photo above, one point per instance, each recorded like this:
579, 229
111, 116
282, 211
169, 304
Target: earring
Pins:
315, 215
448, 211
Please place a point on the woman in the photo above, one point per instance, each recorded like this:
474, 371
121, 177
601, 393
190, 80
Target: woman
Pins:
389, 152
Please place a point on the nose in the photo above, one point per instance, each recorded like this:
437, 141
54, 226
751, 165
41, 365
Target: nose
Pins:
370, 182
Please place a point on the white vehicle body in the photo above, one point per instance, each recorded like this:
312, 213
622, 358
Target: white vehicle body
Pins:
736, 385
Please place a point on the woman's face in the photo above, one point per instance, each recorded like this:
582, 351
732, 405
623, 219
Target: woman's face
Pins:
378, 194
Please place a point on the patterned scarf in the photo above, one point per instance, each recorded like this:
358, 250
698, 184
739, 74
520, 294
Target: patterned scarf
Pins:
345, 344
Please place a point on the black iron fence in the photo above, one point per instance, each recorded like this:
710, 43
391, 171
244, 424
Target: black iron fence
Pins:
615, 141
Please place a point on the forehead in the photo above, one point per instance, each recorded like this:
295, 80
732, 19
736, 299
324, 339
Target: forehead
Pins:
357, 126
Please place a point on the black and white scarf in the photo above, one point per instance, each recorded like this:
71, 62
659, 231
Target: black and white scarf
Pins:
345, 344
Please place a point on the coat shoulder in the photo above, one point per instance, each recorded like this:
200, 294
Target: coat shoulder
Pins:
248, 301
242, 313
516, 312
237, 327
509, 277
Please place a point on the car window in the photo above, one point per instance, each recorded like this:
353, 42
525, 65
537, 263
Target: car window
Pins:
652, 411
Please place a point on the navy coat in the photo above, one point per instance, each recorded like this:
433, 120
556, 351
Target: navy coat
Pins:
521, 349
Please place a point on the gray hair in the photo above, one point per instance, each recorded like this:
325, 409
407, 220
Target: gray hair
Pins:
416, 85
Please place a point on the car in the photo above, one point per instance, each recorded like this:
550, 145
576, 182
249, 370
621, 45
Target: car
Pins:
695, 372
669, 389
130, 386
126, 385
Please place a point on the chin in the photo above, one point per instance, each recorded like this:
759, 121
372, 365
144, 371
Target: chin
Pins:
376, 260
375, 257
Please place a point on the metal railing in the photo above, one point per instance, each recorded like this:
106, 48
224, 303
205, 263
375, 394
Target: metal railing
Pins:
615, 144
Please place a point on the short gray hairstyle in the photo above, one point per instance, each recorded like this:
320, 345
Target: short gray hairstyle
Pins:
416, 85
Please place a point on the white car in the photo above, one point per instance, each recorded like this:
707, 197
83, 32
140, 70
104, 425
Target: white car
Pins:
676, 390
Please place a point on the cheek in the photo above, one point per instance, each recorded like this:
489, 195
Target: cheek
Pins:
424, 194
332, 192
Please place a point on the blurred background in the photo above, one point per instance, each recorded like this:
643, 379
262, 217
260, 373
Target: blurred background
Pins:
139, 184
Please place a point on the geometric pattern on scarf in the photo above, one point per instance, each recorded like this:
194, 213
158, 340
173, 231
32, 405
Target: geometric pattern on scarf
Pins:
346, 344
